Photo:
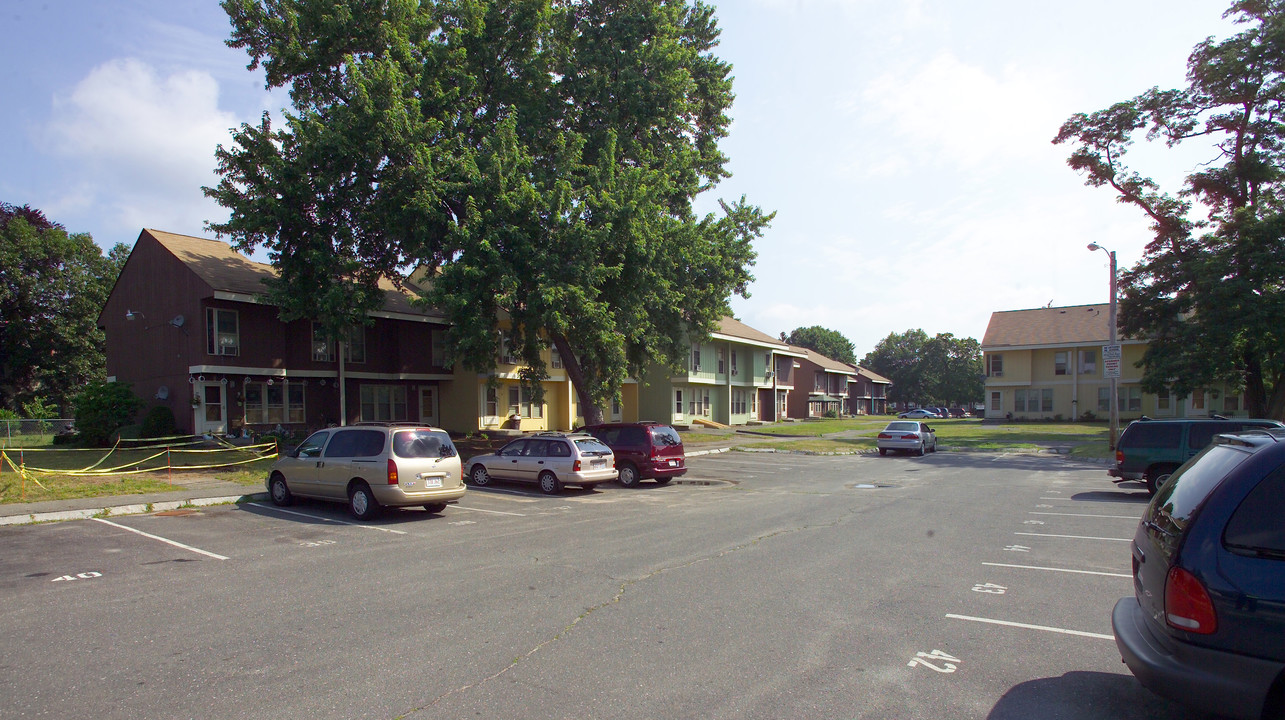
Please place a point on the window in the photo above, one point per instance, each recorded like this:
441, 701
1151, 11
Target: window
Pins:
1197, 399
323, 348
1231, 403
274, 403
733, 362
492, 402
818, 382
996, 367
221, 332
615, 408
722, 361
738, 402
1130, 399
696, 358
1256, 525
438, 340
356, 443
555, 359
699, 404
521, 403
997, 400
1104, 399
1060, 363
506, 353
1088, 362
383, 402
1162, 399
678, 401
1033, 400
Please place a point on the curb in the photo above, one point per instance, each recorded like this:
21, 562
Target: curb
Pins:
134, 509
713, 451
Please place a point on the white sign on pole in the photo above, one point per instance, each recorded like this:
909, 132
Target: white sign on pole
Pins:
1110, 361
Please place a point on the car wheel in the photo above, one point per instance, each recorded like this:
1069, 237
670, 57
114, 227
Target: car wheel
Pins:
628, 475
279, 491
663, 481
435, 507
920, 452
362, 503
934, 447
549, 483
480, 476
1156, 477
883, 451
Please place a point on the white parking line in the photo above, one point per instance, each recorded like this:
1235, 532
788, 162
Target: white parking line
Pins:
1065, 570
1026, 626
326, 519
1116, 517
164, 540
1073, 537
493, 512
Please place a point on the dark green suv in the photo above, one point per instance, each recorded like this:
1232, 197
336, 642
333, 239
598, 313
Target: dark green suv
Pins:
1149, 450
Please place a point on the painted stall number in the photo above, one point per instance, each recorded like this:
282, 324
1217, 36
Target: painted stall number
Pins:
464, 522
990, 588
317, 543
79, 576
1043, 506
1017, 548
928, 660
1032, 522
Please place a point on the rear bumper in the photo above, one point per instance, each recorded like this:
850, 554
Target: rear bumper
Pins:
395, 496
1210, 680
662, 469
1117, 472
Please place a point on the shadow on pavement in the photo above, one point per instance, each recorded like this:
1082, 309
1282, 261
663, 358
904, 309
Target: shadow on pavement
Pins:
1083, 695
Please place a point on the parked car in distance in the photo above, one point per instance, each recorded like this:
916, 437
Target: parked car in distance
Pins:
909, 436
643, 450
1205, 624
918, 413
958, 412
1149, 450
371, 466
551, 459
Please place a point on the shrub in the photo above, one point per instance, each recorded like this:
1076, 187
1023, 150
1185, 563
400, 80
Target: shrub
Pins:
159, 423
101, 408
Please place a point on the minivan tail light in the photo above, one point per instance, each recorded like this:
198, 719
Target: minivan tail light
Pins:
1119, 456
1187, 605
392, 472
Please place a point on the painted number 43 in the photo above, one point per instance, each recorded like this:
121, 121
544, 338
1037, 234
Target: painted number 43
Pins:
931, 660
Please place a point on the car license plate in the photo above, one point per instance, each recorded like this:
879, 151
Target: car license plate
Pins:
598, 464
673, 463
431, 482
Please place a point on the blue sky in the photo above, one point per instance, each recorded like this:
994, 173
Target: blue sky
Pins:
904, 144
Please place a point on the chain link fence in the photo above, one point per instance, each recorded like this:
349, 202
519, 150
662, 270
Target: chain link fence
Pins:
23, 431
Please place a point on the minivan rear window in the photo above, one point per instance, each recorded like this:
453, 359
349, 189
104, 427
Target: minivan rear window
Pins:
422, 444
1179, 499
666, 436
1256, 526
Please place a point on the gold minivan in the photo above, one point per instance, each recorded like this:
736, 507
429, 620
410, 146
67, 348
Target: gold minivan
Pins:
371, 466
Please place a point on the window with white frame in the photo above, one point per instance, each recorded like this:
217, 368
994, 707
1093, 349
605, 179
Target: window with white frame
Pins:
1163, 401
699, 403
1088, 362
997, 400
995, 368
721, 353
323, 348
733, 362
1033, 400
222, 332
678, 401
1060, 363
696, 357
522, 403
506, 353
1130, 399
738, 401
1104, 399
383, 403
438, 351
275, 402
555, 359
492, 402
1197, 399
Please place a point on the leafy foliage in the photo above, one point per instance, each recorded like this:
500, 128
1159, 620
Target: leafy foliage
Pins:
538, 159
942, 369
830, 343
102, 408
159, 422
52, 286
1209, 291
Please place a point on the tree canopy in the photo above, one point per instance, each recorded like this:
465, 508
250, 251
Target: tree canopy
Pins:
942, 369
1209, 292
52, 286
830, 343
538, 159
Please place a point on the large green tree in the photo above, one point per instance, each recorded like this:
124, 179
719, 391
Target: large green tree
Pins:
52, 287
538, 158
830, 343
1208, 293
942, 369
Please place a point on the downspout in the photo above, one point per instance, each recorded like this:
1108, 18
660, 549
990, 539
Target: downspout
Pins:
343, 385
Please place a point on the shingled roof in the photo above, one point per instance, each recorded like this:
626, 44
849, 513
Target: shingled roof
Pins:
826, 363
732, 328
224, 269
1050, 326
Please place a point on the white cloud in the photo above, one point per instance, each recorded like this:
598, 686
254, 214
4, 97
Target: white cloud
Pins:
141, 144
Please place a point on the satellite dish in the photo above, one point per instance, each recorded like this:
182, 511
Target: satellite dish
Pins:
178, 321
162, 392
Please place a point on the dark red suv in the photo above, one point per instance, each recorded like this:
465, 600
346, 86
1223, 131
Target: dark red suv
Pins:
643, 450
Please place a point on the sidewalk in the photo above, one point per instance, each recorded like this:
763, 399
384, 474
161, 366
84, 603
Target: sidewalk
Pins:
189, 489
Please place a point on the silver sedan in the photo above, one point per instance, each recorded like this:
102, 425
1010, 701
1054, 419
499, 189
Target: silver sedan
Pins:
908, 435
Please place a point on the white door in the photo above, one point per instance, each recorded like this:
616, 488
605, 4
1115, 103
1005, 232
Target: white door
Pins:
428, 406
211, 412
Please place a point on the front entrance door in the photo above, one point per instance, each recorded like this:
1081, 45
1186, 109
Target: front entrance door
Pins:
210, 413
428, 406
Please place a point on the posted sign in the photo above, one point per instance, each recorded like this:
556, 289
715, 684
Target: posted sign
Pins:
1110, 361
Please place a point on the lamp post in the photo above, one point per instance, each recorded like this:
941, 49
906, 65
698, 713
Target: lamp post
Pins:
1115, 398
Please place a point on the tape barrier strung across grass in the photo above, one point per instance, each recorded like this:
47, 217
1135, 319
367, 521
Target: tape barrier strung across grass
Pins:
128, 461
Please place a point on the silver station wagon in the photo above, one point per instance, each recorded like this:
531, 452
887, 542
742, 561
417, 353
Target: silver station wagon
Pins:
552, 459
371, 466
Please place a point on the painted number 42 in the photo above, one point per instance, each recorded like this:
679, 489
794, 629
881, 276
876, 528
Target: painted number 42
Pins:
929, 661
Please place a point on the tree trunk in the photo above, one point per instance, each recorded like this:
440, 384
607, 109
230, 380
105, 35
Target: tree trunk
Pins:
577, 373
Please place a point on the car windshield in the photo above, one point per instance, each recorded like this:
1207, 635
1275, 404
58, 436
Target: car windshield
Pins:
592, 446
903, 427
422, 444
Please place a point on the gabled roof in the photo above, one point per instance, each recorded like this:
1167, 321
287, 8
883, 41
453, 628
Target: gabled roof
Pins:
871, 375
730, 328
225, 270
1048, 327
826, 363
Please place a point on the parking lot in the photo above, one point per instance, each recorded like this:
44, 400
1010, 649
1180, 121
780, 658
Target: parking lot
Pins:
957, 585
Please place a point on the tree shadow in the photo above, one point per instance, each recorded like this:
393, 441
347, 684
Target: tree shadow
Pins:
1083, 695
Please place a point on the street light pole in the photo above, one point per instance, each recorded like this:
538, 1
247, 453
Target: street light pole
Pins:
1115, 396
